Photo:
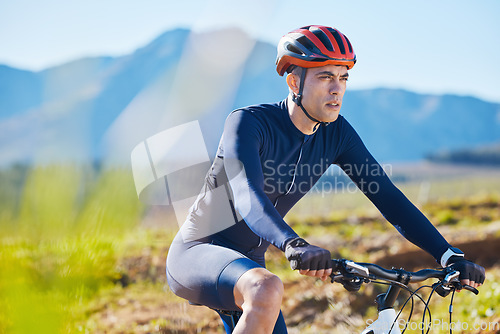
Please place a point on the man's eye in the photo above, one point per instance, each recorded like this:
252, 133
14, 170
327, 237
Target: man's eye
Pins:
344, 78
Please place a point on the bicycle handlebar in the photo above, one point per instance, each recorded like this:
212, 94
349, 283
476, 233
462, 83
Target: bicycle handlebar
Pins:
372, 271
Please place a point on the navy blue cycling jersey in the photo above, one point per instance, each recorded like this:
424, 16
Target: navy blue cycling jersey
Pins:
271, 165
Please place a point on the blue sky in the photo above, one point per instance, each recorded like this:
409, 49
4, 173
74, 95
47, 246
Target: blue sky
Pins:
428, 46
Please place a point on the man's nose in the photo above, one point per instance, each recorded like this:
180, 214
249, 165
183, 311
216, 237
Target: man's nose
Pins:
335, 87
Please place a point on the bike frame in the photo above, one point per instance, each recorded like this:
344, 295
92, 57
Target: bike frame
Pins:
386, 321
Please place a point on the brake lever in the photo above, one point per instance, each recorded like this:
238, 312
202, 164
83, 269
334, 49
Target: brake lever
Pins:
336, 278
471, 289
453, 278
444, 289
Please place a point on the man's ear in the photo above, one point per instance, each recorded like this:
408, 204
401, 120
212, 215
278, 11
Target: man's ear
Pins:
293, 82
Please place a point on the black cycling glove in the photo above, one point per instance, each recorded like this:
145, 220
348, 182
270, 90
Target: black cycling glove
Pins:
468, 270
304, 256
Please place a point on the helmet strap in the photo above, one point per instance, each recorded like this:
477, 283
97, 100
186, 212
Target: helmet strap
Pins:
298, 100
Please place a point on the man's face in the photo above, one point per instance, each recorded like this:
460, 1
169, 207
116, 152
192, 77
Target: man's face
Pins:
324, 88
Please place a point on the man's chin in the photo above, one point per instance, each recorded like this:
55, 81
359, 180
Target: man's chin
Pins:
331, 118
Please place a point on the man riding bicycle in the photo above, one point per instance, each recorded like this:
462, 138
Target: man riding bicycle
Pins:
259, 174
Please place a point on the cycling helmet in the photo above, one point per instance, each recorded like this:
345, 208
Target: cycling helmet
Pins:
314, 46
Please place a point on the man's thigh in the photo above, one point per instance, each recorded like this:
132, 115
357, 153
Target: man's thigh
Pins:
205, 273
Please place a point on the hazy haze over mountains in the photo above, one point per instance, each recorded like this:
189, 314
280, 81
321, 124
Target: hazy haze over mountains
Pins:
100, 108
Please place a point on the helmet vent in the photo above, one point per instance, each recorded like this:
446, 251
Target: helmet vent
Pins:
324, 39
348, 44
308, 44
338, 39
294, 49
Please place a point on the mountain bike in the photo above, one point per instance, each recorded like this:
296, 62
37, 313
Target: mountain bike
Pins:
348, 272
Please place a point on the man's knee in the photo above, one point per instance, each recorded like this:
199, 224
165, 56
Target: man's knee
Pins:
259, 288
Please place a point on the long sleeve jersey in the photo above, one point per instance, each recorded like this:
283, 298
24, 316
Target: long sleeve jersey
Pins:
264, 165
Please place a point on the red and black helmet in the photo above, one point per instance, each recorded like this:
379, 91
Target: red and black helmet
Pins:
314, 46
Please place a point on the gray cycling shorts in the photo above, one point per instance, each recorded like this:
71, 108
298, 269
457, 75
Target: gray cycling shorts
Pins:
205, 273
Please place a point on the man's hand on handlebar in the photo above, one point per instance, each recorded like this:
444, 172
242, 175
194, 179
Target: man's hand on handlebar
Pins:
470, 273
310, 260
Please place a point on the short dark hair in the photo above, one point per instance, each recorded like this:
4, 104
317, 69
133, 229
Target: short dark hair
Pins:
291, 68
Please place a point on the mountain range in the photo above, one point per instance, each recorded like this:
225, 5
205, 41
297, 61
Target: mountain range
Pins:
100, 108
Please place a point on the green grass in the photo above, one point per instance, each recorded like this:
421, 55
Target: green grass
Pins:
60, 245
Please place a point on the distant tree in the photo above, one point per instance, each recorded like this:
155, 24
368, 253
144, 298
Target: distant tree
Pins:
484, 155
